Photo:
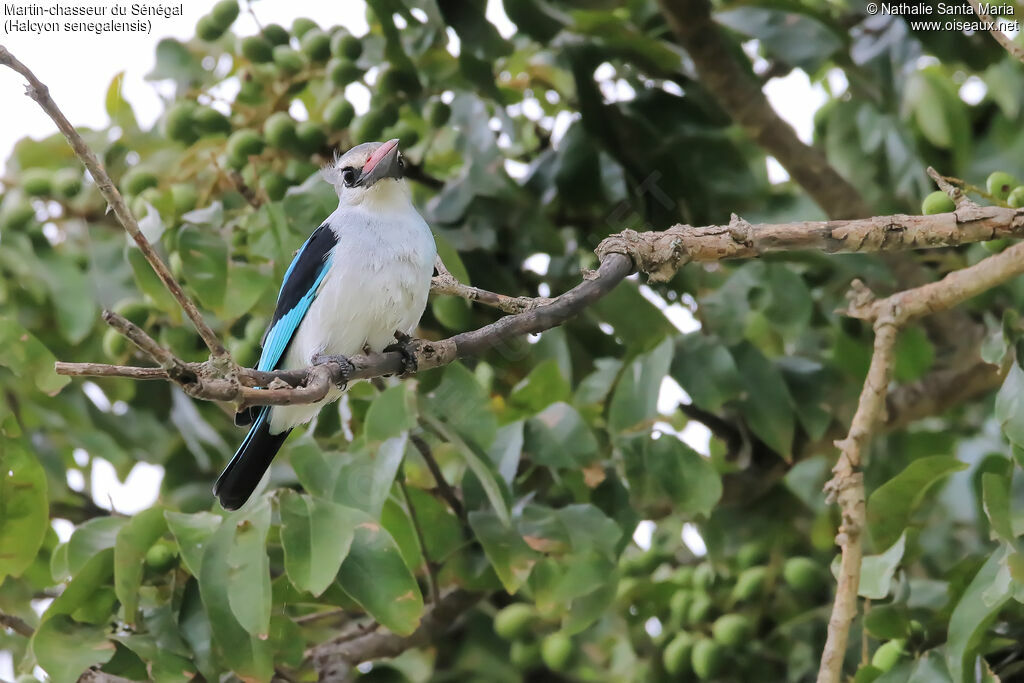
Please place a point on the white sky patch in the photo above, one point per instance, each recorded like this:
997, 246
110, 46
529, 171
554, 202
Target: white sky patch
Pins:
96, 395
6, 666
973, 90
776, 174
538, 263
670, 395
358, 95
81, 457
544, 289
677, 314
796, 100
454, 44
298, 111
76, 480
653, 627
561, 124
693, 540
495, 14
63, 528
516, 169
138, 492
39, 606
644, 533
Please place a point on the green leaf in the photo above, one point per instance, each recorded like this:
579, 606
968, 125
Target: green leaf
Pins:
65, 648
360, 479
192, 532
24, 508
249, 572
24, 355
316, 535
90, 538
246, 285
635, 319
543, 386
94, 574
72, 297
635, 400
133, 540
506, 449
204, 258
666, 469
118, 108
977, 608
559, 437
148, 282
996, 497
391, 413
892, 504
1010, 405
462, 403
374, 575
162, 664
877, 571
509, 555
767, 406
704, 367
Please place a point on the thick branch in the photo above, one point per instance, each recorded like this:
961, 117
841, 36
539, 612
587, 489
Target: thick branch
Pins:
333, 659
41, 94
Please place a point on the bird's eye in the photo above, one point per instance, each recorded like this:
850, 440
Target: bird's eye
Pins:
348, 176
401, 161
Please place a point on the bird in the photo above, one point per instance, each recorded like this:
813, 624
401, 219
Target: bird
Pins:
358, 283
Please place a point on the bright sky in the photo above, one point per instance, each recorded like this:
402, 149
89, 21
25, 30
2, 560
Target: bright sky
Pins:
79, 67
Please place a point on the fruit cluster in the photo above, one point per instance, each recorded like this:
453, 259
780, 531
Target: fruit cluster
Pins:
1000, 187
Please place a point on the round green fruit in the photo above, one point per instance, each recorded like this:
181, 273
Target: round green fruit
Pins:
995, 246
394, 81
298, 171
679, 607
179, 124
209, 121
556, 650
887, 655
316, 45
257, 49
524, 655
208, 29
342, 71
224, 13
338, 113
438, 113
279, 130
250, 92
310, 136
515, 621
184, 197
999, 184
274, 184
937, 202
678, 653
135, 181
17, 215
37, 182
303, 25
707, 658
703, 576
161, 556
241, 145
1016, 198
276, 34
750, 554
406, 134
732, 629
346, 45
750, 584
867, 674
700, 610
67, 182
803, 575
289, 61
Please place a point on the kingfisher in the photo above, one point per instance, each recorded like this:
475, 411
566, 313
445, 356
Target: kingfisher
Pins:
356, 285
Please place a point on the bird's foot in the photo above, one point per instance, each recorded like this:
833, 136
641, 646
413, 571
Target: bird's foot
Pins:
406, 346
343, 361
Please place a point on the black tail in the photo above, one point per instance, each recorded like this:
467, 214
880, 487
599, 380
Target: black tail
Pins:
243, 473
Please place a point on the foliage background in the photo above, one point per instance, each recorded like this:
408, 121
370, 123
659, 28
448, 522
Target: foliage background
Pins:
555, 445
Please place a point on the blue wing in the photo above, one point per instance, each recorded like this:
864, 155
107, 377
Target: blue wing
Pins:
298, 290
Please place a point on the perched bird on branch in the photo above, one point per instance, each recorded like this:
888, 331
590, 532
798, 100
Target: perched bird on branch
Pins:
358, 283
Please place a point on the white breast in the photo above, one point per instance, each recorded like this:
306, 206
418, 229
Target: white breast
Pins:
377, 284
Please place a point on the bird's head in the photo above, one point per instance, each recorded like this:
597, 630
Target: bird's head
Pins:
368, 173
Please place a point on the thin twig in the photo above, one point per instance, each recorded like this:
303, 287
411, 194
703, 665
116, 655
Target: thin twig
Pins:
421, 540
443, 487
38, 91
16, 624
446, 283
1015, 50
313, 617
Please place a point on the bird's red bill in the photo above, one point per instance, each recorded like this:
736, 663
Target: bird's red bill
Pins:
381, 152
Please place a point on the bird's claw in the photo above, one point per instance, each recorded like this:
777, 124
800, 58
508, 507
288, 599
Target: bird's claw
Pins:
343, 361
406, 346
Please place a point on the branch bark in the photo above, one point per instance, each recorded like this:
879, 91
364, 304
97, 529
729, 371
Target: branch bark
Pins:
1015, 50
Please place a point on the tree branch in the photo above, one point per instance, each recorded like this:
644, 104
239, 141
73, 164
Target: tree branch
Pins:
445, 283
1015, 50
38, 91
16, 624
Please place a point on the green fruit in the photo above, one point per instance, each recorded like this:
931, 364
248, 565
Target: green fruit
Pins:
302, 25
700, 610
114, 345
316, 45
703, 576
1016, 198
867, 674
279, 130
524, 655
67, 182
274, 184
750, 554
371, 125
708, 658
679, 607
161, 556
515, 621
208, 29
310, 136
17, 215
224, 13
133, 310
250, 92
999, 184
394, 81
887, 655
37, 182
346, 45
750, 584
135, 180
678, 653
242, 144
343, 71
732, 629
406, 134
556, 651
995, 246
437, 113
276, 34
179, 124
184, 197
298, 170
257, 49
177, 265
289, 61
338, 113
803, 575
682, 577
210, 121
937, 202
